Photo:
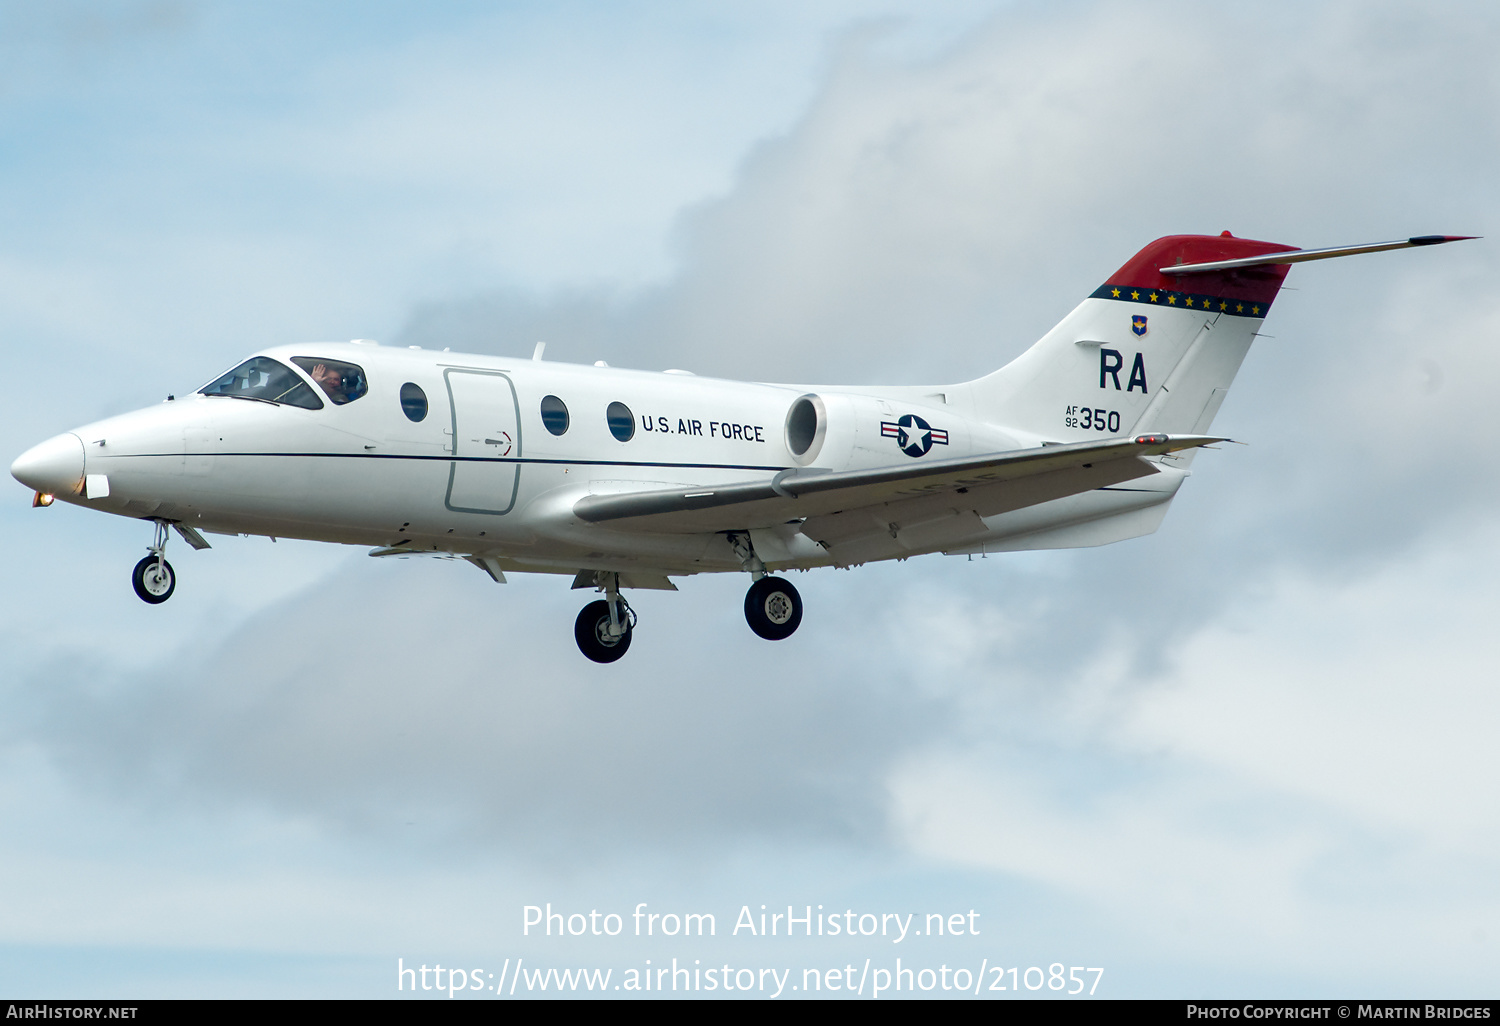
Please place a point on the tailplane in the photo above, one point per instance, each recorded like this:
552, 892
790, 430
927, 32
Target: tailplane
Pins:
1156, 347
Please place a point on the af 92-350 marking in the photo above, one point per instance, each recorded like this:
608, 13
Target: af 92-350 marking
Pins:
1092, 418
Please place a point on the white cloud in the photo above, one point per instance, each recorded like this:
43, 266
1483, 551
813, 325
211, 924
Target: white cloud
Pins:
1363, 695
421, 691
1320, 736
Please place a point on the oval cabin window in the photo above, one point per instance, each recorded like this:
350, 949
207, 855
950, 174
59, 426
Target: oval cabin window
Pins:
621, 421
413, 401
554, 414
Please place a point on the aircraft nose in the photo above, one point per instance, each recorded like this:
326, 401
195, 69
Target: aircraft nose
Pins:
55, 467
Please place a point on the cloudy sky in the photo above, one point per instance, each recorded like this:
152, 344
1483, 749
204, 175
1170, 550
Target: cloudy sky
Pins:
1252, 754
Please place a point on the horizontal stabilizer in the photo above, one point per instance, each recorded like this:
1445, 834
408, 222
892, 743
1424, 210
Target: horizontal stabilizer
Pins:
1297, 256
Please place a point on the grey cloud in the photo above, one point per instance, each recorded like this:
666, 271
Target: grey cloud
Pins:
101, 26
409, 695
39, 40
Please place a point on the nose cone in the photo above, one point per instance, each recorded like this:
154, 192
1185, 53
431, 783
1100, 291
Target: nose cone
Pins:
54, 467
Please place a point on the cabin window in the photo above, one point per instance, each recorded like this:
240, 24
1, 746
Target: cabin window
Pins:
264, 379
621, 421
555, 414
343, 382
413, 402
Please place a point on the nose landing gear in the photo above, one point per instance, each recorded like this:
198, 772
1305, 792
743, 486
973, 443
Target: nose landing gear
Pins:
153, 578
603, 628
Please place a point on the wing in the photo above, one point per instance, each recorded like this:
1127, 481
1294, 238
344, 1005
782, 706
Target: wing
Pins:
836, 506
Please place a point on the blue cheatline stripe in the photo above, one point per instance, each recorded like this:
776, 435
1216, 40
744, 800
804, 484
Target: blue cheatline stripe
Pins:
1181, 300
507, 459
463, 459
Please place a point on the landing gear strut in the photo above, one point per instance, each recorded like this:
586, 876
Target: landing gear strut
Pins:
772, 606
153, 577
603, 628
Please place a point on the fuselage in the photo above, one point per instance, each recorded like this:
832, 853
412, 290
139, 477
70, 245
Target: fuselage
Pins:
474, 467
626, 478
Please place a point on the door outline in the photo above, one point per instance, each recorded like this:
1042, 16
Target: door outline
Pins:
513, 459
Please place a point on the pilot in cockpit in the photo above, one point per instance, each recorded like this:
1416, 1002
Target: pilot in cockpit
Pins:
331, 381
341, 382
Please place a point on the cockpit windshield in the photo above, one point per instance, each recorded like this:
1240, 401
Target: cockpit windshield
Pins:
344, 382
262, 378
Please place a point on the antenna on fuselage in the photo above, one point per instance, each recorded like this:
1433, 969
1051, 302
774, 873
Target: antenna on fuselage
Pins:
536, 354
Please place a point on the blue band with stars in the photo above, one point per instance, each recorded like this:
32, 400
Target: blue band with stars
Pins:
1181, 300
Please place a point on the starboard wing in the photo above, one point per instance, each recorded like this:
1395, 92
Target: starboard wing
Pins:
981, 485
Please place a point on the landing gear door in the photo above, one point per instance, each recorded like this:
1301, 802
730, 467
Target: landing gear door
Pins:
486, 471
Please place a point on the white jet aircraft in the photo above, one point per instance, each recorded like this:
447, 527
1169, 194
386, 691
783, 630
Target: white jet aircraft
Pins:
625, 479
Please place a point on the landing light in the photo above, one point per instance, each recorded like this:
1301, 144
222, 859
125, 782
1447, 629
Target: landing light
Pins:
42, 499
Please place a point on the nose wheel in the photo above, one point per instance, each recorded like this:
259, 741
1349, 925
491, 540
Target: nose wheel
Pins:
773, 608
153, 578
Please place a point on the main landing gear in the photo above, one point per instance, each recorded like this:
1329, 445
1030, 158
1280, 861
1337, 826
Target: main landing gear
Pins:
153, 577
773, 609
603, 628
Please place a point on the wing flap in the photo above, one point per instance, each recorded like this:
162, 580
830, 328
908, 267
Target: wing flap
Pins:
903, 494
948, 518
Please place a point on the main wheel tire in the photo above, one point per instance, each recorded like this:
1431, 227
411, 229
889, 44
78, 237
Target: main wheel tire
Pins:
773, 608
154, 580
591, 631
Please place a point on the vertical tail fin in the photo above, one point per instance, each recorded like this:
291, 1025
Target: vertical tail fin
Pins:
1147, 351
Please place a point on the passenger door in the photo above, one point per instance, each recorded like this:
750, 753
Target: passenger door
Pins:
486, 469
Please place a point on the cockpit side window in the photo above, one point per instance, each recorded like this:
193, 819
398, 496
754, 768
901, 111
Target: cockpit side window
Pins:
264, 379
344, 382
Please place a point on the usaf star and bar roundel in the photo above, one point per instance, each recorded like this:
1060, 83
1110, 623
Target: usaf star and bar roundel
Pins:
914, 435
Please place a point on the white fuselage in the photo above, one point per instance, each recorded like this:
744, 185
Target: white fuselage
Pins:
625, 478
481, 473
